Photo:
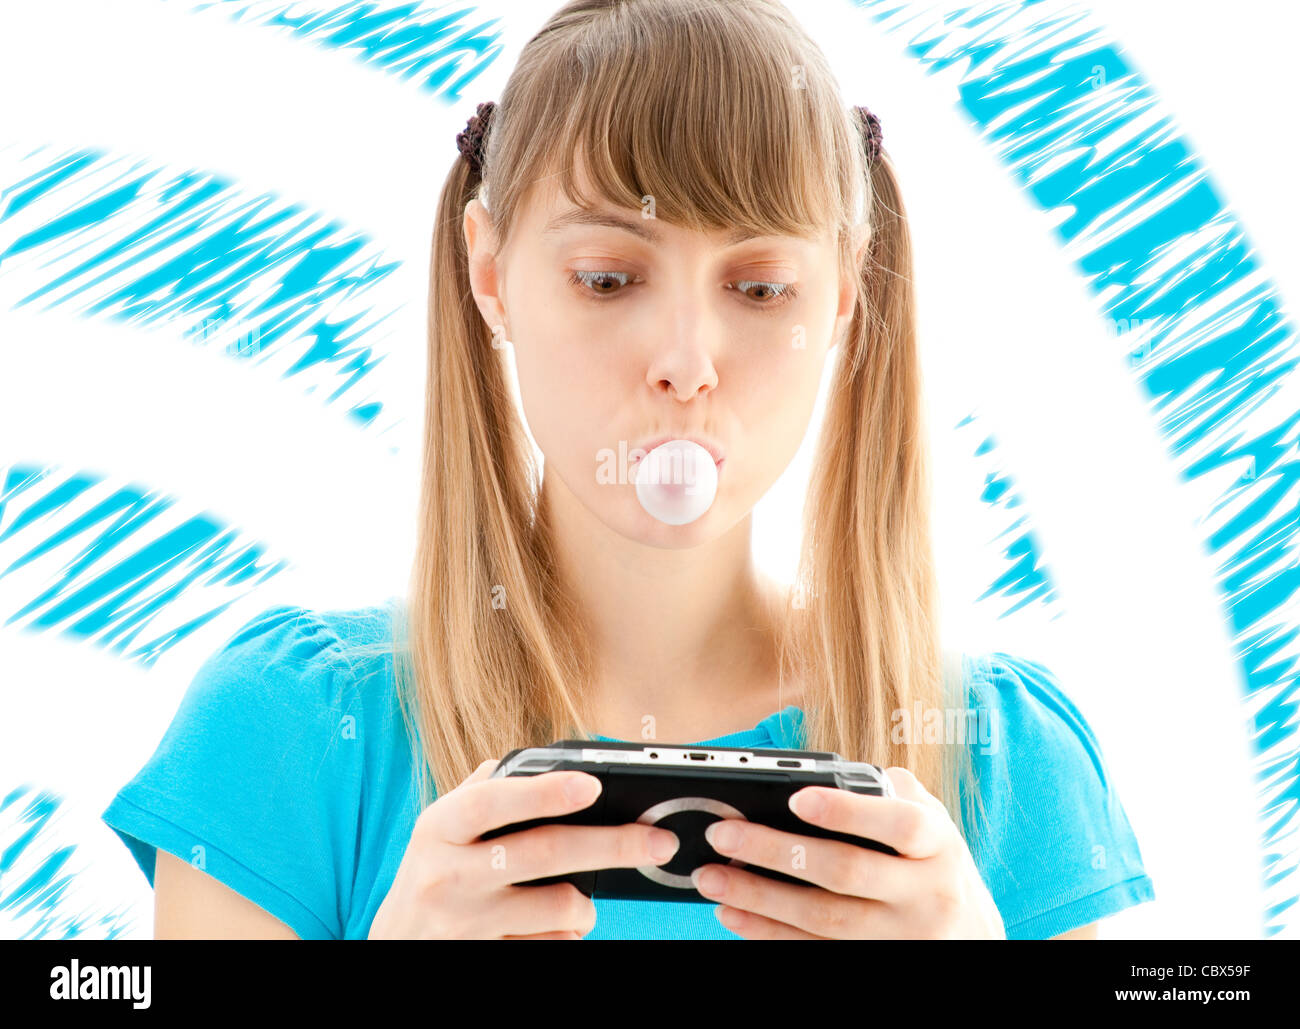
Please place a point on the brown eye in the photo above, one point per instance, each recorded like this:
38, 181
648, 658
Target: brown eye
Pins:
599, 283
764, 295
768, 294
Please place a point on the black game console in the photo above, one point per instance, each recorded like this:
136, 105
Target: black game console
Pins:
684, 789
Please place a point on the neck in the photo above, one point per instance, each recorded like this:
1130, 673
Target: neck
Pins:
685, 636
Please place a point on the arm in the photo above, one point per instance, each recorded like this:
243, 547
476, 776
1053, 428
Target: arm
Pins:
190, 904
1084, 932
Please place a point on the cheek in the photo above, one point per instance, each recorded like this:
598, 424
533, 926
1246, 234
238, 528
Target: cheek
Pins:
570, 384
566, 347
785, 365
775, 392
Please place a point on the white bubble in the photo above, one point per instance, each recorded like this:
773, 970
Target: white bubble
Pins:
677, 481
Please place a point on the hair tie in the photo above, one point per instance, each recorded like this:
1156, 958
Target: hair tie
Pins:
869, 125
470, 141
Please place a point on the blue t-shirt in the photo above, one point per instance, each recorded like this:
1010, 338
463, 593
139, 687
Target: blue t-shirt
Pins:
287, 774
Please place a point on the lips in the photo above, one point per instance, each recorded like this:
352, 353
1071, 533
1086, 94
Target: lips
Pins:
714, 450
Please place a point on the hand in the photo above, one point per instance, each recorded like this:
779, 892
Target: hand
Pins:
452, 885
930, 890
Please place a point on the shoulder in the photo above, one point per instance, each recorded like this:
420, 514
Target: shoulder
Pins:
1030, 731
1026, 702
302, 694
294, 659
275, 669
264, 776
1061, 850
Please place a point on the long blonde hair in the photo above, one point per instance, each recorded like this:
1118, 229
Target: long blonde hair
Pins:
728, 115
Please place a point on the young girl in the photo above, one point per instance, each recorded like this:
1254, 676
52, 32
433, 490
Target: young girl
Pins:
673, 220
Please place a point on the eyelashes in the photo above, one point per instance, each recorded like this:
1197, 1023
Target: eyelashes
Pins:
781, 292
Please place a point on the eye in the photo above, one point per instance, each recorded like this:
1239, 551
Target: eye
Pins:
606, 283
783, 292
603, 284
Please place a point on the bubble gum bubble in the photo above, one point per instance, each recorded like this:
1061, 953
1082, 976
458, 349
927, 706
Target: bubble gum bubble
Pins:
677, 481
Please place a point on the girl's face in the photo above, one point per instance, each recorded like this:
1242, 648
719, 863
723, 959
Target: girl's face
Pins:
628, 330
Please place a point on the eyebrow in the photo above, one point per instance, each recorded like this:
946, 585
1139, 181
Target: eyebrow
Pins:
638, 227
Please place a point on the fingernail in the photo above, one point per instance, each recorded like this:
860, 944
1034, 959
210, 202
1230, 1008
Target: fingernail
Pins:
582, 787
806, 804
709, 881
663, 844
722, 837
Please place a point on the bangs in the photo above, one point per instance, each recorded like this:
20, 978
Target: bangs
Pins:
706, 109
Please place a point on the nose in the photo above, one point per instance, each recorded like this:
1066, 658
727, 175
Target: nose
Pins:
682, 366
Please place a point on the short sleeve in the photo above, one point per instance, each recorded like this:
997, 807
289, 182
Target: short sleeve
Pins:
258, 778
1056, 849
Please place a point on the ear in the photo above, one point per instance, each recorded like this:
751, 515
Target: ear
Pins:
859, 240
485, 278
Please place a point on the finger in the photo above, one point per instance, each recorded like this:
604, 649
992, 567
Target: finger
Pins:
569, 935
911, 827
471, 811
547, 850
809, 908
834, 865
750, 926
483, 771
909, 787
531, 910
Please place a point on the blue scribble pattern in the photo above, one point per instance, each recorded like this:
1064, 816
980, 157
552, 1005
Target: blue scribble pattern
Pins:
40, 878
116, 238
119, 561
433, 45
1027, 579
1083, 133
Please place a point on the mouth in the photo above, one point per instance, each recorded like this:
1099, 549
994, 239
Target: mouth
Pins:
644, 448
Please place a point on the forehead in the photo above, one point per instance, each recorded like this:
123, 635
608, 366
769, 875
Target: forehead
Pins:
651, 230
551, 215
